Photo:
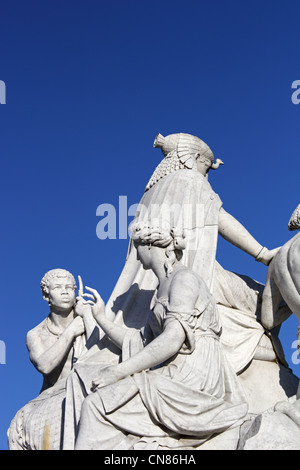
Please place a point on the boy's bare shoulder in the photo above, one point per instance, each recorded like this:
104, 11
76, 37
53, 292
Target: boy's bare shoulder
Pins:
36, 331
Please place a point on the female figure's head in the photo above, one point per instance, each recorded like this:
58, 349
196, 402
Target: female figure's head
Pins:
170, 240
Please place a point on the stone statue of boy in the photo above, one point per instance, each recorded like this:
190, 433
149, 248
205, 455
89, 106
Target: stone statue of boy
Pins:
54, 345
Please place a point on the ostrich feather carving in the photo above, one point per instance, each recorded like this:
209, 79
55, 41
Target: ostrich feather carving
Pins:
294, 223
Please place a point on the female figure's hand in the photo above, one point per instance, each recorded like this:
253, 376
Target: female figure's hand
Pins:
96, 302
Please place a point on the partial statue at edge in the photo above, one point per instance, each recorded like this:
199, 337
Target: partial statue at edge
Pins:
167, 390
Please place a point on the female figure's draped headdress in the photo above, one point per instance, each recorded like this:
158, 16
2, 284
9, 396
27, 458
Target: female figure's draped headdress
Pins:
179, 151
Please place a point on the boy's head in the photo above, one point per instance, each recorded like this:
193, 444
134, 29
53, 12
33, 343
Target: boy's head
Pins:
58, 289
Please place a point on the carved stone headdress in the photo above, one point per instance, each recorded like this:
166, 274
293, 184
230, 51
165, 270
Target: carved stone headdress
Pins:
179, 151
185, 144
294, 223
161, 235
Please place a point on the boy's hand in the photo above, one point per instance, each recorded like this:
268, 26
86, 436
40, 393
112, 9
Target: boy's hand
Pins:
81, 307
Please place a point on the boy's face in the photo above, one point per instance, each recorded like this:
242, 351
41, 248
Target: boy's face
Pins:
61, 293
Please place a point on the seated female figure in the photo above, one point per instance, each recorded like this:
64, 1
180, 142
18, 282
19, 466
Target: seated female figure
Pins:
174, 380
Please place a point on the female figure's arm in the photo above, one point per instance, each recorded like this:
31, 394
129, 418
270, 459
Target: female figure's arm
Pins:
234, 232
115, 332
182, 297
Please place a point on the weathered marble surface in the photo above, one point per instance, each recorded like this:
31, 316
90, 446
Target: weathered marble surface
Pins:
178, 333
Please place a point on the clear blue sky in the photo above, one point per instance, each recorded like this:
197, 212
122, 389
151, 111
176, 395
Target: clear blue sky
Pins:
89, 84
